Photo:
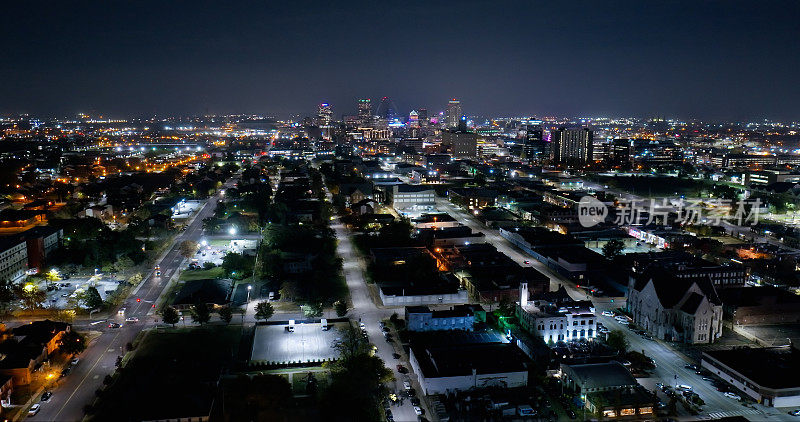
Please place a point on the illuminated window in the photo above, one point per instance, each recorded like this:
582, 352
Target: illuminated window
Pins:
645, 410
610, 413
627, 412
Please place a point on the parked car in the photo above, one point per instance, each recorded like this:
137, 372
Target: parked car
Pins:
732, 396
131, 319
114, 325
395, 355
418, 410
34, 409
401, 369
406, 385
683, 387
795, 412
74, 361
607, 313
46, 395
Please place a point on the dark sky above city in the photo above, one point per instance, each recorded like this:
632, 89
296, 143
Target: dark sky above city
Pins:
731, 60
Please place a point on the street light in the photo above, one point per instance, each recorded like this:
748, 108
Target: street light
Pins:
247, 302
232, 231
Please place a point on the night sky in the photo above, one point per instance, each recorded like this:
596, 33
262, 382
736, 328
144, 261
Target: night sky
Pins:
690, 59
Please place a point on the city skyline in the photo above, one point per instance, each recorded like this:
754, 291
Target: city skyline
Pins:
710, 61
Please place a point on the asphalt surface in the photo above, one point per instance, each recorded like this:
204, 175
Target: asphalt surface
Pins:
366, 310
73, 392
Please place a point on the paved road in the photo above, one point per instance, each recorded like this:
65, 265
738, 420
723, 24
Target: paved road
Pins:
671, 370
74, 391
503, 245
371, 315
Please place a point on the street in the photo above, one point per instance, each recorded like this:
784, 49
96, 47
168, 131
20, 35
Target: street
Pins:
73, 392
371, 315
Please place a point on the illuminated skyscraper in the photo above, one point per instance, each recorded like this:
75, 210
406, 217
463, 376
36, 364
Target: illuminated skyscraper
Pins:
324, 114
453, 114
324, 119
364, 110
413, 118
533, 144
572, 146
386, 109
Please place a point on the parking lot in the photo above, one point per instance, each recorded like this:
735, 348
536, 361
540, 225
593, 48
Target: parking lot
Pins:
64, 293
308, 343
185, 208
215, 250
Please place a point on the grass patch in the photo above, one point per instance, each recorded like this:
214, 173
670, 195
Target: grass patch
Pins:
173, 371
191, 275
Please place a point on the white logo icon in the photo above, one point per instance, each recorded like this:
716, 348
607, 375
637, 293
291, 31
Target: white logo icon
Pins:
591, 211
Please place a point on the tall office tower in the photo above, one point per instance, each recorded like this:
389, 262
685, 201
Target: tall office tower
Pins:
453, 114
364, 110
533, 144
461, 142
572, 147
324, 119
413, 118
621, 152
324, 114
423, 114
386, 109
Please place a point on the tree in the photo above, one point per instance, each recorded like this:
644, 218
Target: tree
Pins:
124, 262
31, 296
72, 343
92, 300
52, 276
264, 310
613, 248
341, 308
357, 380
65, 315
170, 315
135, 279
312, 309
506, 308
617, 341
226, 314
237, 265
188, 248
200, 313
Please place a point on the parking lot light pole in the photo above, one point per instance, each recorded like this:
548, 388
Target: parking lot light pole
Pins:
247, 302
